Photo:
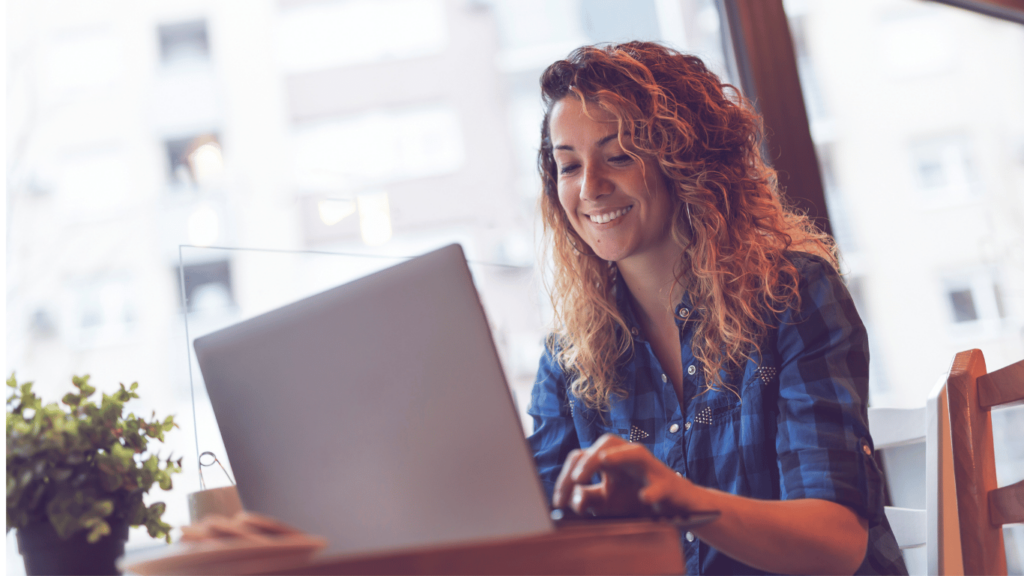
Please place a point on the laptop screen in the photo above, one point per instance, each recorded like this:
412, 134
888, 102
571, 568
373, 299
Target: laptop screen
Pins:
376, 414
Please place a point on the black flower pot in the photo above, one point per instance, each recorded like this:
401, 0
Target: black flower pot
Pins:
45, 553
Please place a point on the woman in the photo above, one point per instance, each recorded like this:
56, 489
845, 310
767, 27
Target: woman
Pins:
707, 355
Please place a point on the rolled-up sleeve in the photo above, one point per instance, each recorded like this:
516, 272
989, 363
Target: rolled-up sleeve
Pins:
554, 433
823, 445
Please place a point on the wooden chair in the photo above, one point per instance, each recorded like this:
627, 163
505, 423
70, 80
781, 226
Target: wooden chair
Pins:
935, 527
983, 508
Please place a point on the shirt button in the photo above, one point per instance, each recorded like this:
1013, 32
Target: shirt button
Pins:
664, 378
689, 537
683, 312
687, 425
680, 474
867, 449
634, 331
673, 428
691, 370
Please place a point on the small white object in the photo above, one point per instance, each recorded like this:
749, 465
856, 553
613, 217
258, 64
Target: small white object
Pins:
673, 428
691, 370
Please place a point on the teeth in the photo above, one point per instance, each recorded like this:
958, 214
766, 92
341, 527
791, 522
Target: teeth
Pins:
606, 218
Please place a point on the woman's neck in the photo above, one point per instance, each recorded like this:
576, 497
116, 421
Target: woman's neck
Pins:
652, 281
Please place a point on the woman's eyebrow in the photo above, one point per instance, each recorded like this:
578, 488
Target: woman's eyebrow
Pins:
600, 142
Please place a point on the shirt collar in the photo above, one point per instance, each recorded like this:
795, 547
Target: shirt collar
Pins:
683, 310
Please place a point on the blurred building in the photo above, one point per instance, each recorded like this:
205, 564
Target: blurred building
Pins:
387, 128
390, 127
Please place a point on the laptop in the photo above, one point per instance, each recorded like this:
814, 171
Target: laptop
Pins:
376, 414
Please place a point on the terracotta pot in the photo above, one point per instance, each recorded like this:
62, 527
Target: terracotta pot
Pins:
45, 553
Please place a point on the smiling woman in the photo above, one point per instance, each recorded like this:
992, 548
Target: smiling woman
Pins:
616, 201
706, 353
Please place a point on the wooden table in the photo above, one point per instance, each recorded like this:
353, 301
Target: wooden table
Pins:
610, 547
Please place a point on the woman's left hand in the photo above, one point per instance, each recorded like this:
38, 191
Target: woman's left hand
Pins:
633, 481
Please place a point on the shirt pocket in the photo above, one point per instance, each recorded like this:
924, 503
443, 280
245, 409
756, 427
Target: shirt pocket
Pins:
721, 434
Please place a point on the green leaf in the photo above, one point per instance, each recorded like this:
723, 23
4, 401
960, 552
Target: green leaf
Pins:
124, 457
102, 508
78, 461
98, 528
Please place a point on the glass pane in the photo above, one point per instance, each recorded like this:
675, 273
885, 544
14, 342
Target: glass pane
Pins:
920, 113
963, 306
386, 128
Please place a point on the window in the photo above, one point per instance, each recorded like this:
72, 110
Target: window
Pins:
963, 305
41, 324
180, 157
208, 286
944, 167
104, 310
183, 42
975, 298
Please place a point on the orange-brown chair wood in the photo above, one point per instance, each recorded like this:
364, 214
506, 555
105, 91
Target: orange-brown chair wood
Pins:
983, 508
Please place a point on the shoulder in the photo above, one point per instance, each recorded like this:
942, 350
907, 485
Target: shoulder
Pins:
811, 267
818, 283
823, 312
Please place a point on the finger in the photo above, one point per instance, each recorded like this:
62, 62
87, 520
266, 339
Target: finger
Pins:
632, 458
588, 500
590, 462
563, 485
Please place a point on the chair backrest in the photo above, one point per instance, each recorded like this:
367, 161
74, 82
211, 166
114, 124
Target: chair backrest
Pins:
934, 528
983, 508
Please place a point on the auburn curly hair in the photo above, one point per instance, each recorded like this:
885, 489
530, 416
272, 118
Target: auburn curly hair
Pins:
706, 139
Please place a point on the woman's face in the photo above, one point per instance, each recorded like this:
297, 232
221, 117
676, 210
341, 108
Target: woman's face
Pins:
619, 206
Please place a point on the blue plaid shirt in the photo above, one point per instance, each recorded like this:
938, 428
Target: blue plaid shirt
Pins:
799, 429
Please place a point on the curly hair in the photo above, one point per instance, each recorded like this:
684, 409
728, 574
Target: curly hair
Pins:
729, 213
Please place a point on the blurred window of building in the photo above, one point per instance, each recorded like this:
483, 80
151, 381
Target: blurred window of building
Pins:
181, 155
944, 167
208, 287
378, 146
975, 297
42, 325
319, 35
105, 311
184, 43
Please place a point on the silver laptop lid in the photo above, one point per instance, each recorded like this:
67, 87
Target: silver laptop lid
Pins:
376, 414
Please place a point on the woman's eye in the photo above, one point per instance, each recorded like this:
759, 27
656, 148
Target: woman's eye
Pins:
623, 159
567, 168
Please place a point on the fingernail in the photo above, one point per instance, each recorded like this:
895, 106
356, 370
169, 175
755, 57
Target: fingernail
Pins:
577, 499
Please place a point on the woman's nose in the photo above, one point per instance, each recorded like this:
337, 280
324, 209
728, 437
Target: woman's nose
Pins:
594, 184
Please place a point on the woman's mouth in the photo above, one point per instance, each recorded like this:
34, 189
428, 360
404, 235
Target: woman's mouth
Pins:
609, 216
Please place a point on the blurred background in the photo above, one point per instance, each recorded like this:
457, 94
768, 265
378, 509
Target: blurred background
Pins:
237, 128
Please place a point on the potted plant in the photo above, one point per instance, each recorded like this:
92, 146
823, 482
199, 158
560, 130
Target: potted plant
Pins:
76, 477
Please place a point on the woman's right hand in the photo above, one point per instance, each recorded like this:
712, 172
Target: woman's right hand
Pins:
632, 481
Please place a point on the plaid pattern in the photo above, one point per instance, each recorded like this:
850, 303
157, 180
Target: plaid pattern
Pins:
797, 429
